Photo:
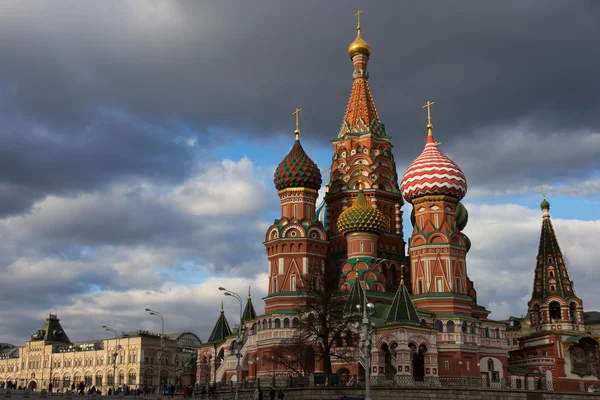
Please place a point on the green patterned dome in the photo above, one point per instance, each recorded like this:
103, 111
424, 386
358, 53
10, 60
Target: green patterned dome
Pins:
545, 204
297, 170
361, 217
461, 216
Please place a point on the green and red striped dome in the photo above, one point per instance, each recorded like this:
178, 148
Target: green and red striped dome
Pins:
297, 170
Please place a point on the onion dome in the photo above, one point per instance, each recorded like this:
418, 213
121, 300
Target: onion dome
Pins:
361, 217
432, 173
461, 216
545, 204
359, 46
297, 170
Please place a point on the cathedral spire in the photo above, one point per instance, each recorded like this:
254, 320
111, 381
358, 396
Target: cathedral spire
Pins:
221, 329
552, 277
361, 115
249, 312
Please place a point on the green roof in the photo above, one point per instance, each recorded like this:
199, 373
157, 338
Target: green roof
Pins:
249, 311
221, 329
402, 308
356, 297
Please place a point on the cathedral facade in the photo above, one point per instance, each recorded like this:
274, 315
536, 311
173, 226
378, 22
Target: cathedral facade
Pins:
426, 320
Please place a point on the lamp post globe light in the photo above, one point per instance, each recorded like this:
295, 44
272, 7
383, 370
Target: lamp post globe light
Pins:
365, 341
115, 355
238, 340
162, 333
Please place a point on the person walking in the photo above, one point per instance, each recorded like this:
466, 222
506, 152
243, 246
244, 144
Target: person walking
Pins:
280, 394
272, 393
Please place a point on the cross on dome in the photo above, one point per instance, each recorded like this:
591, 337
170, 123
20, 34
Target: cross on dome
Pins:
297, 114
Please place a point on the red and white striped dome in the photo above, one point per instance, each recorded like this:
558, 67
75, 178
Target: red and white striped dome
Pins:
432, 173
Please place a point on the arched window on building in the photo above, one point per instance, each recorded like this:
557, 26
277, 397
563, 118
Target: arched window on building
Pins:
497, 333
487, 332
277, 323
573, 312
464, 327
286, 323
450, 326
554, 311
131, 379
490, 365
439, 326
295, 322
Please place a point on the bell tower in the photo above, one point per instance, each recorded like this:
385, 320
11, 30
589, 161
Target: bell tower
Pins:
554, 304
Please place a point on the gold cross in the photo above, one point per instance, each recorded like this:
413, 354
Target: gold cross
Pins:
428, 105
358, 15
544, 186
297, 114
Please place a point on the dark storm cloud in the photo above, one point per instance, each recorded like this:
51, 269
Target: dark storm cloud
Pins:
245, 65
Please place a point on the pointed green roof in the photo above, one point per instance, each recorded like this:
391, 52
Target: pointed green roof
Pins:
249, 312
221, 329
402, 308
356, 296
550, 257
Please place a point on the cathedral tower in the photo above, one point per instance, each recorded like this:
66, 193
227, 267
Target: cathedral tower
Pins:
434, 185
554, 304
296, 242
363, 153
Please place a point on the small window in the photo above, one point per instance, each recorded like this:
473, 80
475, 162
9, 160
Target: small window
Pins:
420, 286
447, 365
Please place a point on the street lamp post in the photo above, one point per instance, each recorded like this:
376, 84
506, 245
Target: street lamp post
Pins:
238, 341
365, 341
162, 333
115, 354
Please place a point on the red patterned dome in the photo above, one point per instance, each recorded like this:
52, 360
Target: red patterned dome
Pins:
432, 173
297, 170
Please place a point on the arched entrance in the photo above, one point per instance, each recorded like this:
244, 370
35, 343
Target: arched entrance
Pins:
390, 368
344, 374
418, 361
32, 386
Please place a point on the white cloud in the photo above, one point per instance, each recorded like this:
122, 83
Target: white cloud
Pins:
505, 241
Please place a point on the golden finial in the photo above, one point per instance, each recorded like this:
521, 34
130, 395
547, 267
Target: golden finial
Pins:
359, 46
248, 292
429, 126
544, 186
402, 274
297, 131
360, 184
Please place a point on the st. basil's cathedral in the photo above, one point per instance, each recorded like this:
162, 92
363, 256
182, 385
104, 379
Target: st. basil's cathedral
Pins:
426, 321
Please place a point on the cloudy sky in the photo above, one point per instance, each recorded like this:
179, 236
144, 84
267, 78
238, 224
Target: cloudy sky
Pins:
138, 140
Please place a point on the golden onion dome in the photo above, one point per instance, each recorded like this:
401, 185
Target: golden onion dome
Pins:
361, 217
359, 46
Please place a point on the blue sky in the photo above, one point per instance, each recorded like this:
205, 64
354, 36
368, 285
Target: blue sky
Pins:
138, 142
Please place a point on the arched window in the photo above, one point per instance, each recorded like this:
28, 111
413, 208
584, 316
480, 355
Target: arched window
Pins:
439, 326
295, 322
464, 328
277, 323
286, 323
132, 378
253, 329
264, 324
497, 333
555, 310
490, 364
487, 332
573, 312
450, 326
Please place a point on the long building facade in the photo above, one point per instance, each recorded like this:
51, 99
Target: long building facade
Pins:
427, 322
131, 359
